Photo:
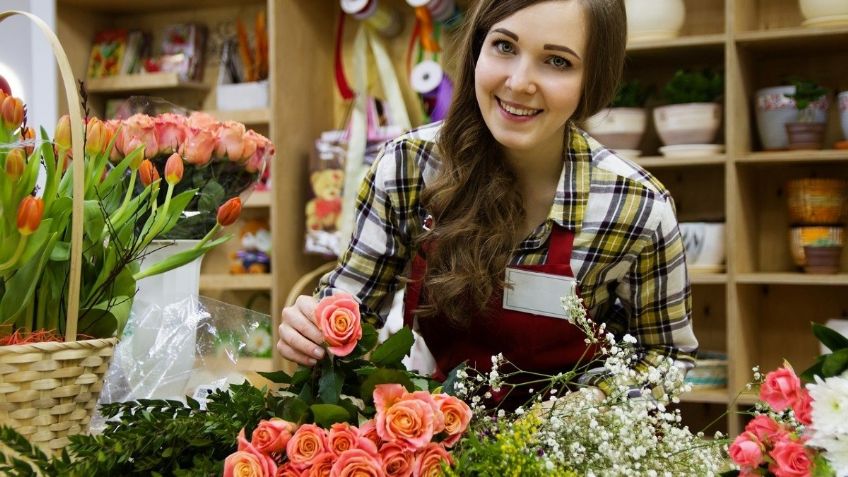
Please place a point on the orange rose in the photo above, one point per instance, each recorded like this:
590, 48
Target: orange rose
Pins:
242, 464
201, 120
368, 430
409, 419
272, 436
230, 140
267, 465
322, 466
171, 131
288, 470
397, 460
357, 463
198, 146
338, 318
457, 416
342, 437
138, 130
309, 442
428, 462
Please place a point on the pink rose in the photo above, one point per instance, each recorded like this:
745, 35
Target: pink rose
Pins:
342, 437
114, 127
309, 442
258, 151
357, 463
457, 417
368, 430
230, 140
746, 451
287, 470
398, 461
171, 132
272, 435
138, 130
338, 318
765, 429
243, 464
198, 146
780, 388
803, 407
322, 465
201, 120
791, 459
267, 464
410, 422
428, 462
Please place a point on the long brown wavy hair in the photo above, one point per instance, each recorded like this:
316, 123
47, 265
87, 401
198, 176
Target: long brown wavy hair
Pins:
476, 205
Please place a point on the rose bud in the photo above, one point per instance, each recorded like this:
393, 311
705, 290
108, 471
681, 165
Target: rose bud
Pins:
29, 214
229, 211
147, 173
15, 162
174, 169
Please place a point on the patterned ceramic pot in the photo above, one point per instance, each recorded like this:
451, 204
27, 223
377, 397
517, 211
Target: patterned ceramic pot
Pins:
774, 110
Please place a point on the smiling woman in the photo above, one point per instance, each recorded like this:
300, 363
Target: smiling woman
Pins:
493, 215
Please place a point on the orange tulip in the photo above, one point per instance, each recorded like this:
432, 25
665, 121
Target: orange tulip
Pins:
29, 214
229, 211
96, 137
12, 111
147, 173
29, 137
15, 162
62, 137
174, 169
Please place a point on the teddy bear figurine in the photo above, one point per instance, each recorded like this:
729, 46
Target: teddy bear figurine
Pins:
324, 211
254, 255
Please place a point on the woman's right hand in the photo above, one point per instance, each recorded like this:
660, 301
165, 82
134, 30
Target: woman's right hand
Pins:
300, 339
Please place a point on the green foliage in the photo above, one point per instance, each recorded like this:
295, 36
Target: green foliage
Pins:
806, 93
704, 86
631, 94
832, 364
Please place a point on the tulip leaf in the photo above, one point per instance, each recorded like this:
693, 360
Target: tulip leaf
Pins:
36, 241
178, 205
211, 197
179, 259
116, 175
835, 363
106, 318
20, 288
830, 337
325, 415
392, 351
94, 220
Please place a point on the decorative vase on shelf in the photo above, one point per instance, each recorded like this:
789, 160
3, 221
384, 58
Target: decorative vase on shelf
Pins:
654, 20
824, 13
620, 129
843, 113
804, 136
824, 260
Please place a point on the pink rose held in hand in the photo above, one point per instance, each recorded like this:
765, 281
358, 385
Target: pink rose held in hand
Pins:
339, 321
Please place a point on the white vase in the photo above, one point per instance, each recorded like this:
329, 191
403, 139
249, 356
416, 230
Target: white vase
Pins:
653, 20
704, 244
618, 128
818, 13
160, 336
688, 123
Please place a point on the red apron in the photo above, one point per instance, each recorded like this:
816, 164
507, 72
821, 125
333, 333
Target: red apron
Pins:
531, 342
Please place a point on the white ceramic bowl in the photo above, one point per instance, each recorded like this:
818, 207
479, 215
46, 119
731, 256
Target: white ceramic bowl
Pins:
704, 243
690, 123
618, 128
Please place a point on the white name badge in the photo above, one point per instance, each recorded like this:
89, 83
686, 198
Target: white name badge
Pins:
537, 293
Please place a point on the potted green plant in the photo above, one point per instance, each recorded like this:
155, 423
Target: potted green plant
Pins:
807, 132
622, 125
692, 116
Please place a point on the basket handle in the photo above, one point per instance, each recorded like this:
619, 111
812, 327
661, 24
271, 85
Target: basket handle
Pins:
77, 168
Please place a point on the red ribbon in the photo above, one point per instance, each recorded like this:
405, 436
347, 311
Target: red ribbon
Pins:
341, 81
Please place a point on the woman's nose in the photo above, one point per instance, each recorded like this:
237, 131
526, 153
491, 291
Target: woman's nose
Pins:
520, 80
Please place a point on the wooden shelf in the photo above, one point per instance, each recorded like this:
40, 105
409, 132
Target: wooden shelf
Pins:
226, 281
778, 157
259, 199
794, 40
708, 278
682, 42
138, 83
255, 117
149, 6
706, 395
653, 162
790, 278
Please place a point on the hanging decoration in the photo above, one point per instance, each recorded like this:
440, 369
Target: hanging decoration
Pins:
427, 77
386, 21
445, 12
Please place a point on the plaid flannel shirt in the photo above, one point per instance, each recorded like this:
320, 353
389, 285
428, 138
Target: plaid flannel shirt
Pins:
627, 258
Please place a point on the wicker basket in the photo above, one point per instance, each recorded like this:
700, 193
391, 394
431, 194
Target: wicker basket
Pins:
816, 201
48, 390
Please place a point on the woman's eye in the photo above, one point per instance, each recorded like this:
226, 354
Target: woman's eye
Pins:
559, 62
504, 46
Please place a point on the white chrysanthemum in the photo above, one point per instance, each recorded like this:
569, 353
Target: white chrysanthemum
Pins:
835, 451
830, 406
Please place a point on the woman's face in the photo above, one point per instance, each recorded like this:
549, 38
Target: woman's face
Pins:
529, 75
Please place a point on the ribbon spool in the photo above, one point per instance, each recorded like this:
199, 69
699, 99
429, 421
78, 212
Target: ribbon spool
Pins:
386, 21
444, 11
429, 79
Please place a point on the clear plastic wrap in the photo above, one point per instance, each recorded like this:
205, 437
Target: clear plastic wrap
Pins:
187, 348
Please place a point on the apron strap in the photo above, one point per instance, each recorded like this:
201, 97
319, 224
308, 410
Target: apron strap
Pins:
561, 244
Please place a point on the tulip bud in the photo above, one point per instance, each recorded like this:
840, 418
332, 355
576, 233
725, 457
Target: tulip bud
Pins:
229, 211
29, 137
147, 173
12, 111
29, 214
62, 137
96, 137
15, 162
174, 169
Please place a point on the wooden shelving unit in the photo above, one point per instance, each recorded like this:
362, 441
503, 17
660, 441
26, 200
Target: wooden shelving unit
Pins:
250, 117
142, 83
259, 200
226, 281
